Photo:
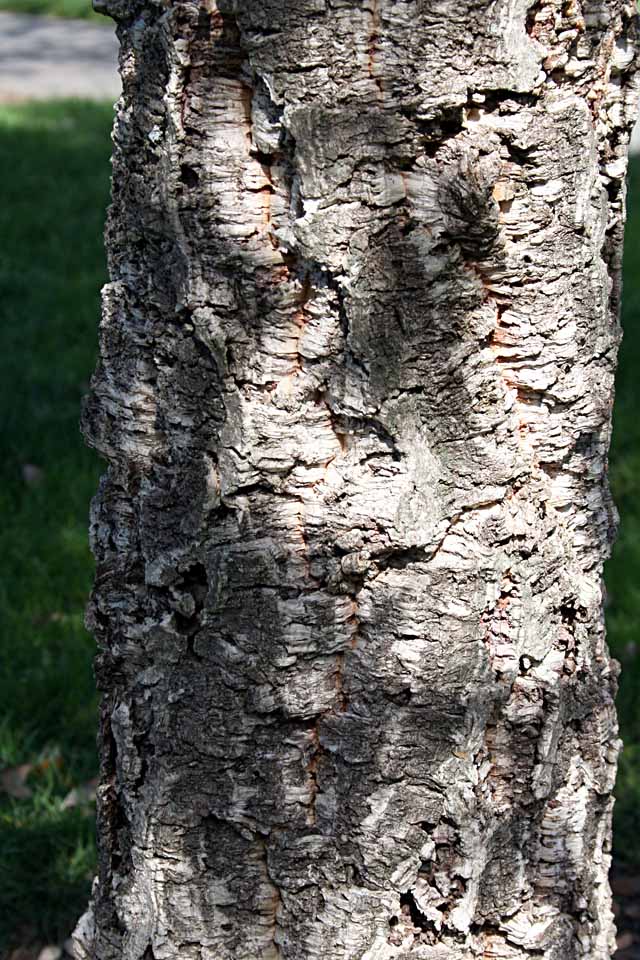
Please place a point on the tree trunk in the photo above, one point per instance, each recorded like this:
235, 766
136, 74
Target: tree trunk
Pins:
355, 389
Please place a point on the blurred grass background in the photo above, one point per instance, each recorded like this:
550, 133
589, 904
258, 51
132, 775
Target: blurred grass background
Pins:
78, 9
54, 170
55, 174
622, 572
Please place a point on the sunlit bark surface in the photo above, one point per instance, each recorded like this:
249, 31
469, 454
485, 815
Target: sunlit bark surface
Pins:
354, 392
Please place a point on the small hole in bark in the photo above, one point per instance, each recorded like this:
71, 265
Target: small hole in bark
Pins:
520, 155
189, 176
427, 826
264, 159
568, 613
410, 907
189, 595
408, 226
393, 922
195, 579
403, 697
431, 148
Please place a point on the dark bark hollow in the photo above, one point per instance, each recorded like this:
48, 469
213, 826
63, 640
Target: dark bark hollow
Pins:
354, 391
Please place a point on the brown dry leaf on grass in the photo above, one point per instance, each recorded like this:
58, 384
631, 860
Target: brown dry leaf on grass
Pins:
13, 781
82, 795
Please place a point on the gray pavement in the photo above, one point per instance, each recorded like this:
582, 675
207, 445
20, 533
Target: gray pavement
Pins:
43, 58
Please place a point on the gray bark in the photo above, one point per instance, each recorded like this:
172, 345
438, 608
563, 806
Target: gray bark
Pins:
354, 392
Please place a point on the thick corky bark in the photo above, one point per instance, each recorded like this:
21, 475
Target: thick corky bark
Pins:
355, 394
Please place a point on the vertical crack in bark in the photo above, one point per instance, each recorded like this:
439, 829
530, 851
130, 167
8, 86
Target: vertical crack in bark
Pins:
276, 898
312, 773
372, 44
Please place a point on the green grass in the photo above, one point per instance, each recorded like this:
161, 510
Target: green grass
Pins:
80, 9
54, 172
623, 570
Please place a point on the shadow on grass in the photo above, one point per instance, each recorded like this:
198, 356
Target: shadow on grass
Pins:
623, 570
55, 179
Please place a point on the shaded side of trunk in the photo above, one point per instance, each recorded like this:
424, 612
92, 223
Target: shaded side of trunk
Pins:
355, 394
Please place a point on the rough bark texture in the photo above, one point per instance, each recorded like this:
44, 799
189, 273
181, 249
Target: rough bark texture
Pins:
355, 391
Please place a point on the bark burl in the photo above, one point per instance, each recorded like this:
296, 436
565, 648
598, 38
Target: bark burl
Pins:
354, 392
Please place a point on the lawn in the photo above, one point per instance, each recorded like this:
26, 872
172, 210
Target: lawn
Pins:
54, 170
80, 9
622, 572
